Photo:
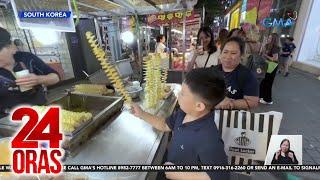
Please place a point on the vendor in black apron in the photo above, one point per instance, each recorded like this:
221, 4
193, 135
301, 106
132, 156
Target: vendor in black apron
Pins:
11, 62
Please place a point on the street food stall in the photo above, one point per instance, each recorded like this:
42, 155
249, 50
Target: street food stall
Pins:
96, 120
182, 27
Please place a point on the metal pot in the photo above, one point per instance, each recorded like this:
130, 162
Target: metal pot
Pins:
134, 91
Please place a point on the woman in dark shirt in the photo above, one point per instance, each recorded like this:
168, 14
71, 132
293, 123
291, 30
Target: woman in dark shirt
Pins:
271, 53
284, 155
242, 85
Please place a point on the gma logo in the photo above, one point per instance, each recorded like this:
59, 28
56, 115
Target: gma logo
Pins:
274, 22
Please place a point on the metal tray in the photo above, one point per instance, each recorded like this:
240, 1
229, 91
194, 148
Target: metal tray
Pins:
102, 109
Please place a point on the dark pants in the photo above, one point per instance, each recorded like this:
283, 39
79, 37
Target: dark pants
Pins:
266, 85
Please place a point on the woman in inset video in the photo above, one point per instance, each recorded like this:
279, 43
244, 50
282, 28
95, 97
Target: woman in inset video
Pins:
284, 155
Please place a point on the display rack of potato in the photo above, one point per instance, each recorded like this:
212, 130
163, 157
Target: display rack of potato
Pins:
156, 87
110, 71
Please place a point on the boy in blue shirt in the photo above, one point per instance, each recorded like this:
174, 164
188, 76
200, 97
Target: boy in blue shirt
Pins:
195, 140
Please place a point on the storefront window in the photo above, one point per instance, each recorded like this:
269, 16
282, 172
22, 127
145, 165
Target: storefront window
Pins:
192, 28
310, 47
282, 9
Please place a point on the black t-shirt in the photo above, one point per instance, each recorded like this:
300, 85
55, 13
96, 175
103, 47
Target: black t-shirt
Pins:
240, 82
288, 48
10, 94
274, 50
284, 159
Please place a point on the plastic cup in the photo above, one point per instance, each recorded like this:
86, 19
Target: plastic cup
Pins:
200, 50
21, 74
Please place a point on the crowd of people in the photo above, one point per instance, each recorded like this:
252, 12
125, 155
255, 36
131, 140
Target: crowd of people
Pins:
219, 78
248, 65
230, 54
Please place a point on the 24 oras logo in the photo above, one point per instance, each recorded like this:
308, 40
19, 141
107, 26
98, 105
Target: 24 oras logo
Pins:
30, 155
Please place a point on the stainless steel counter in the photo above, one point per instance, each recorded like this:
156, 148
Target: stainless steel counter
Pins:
124, 140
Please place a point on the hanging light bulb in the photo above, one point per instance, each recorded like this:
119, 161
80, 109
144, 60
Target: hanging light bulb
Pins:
45, 37
127, 37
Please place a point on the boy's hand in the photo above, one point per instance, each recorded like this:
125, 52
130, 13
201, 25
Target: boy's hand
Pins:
185, 175
173, 175
136, 110
168, 163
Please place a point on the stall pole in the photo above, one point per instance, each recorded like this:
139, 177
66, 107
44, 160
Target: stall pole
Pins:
169, 41
148, 32
184, 43
32, 43
25, 35
97, 28
139, 47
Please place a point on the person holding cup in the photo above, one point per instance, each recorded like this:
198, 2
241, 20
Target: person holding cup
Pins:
22, 76
206, 54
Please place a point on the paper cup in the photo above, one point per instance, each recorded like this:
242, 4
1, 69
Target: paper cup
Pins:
21, 74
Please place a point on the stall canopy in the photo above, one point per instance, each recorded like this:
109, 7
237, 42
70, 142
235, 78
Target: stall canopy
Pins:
100, 7
127, 7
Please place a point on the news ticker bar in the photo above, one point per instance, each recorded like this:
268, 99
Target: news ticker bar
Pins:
186, 168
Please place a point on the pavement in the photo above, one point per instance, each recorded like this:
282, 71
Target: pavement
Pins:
298, 97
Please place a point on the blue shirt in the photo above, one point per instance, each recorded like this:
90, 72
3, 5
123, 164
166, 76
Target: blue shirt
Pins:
10, 94
236, 90
288, 48
196, 143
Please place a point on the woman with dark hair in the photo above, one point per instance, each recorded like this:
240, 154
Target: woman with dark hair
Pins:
233, 33
271, 53
160, 47
242, 85
223, 36
205, 55
284, 155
